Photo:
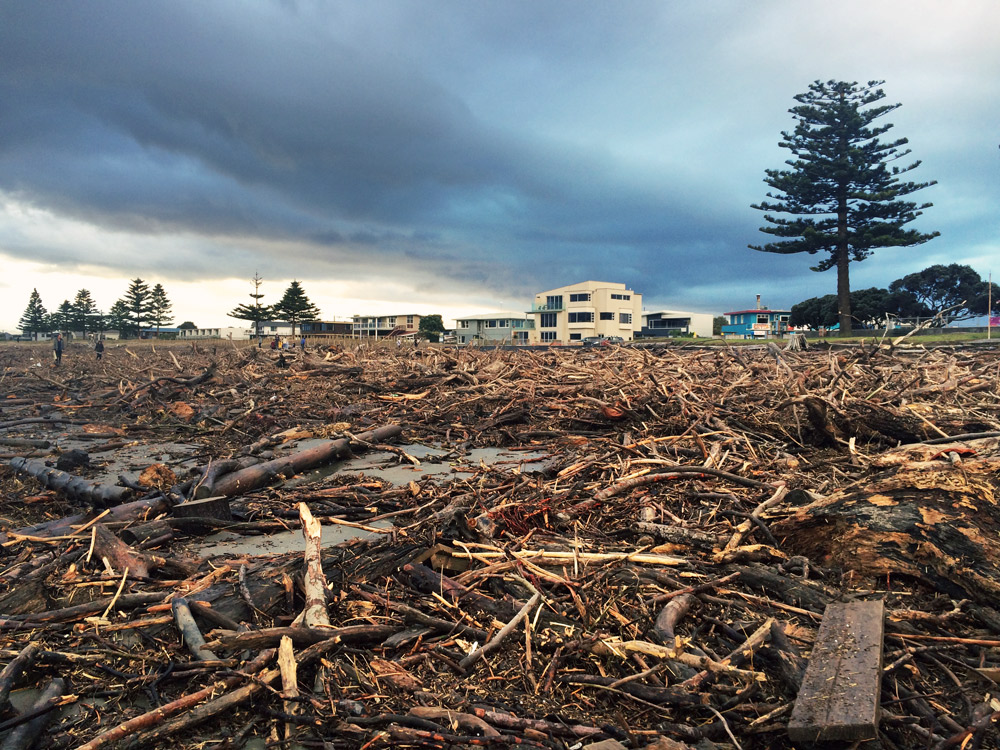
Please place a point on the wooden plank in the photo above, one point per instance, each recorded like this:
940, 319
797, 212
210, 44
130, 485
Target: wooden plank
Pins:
839, 698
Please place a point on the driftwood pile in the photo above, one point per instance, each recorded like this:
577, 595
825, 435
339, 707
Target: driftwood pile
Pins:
650, 573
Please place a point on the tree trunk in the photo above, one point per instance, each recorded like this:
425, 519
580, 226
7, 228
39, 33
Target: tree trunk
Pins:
843, 272
255, 477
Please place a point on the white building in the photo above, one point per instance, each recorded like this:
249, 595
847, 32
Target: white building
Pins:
494, 328
659, 323
591, 308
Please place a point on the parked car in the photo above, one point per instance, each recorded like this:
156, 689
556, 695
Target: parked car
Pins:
603, 340
612, 340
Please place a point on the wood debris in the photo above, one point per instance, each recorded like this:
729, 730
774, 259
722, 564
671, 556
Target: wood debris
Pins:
579, 548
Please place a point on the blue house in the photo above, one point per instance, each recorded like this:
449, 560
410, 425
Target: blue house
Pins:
757, 323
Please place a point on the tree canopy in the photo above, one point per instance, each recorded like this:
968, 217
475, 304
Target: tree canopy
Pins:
254, 312
940, 287
295, 307
431, 327
159, 308
843, 194
35, 318
138, 302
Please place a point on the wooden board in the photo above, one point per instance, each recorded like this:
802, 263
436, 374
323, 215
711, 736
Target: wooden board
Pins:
839, 698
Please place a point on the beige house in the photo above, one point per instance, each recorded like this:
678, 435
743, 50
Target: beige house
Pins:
378, 326
573, 313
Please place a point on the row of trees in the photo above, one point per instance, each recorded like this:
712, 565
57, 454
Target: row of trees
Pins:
955, 291
141, 308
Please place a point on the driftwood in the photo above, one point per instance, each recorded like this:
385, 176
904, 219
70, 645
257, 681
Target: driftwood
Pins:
254, 477
193, 639
314, 582
28, 733
78, 488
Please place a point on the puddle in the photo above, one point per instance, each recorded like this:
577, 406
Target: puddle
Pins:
279, 543
396, 470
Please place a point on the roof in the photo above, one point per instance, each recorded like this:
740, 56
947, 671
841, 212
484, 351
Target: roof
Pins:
502, 315
756, 310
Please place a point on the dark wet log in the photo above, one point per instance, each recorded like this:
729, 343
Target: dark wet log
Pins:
302, 636
78, 488
78, 611
255, 477
193, 639
920, 515
670, 615
148, 534
13, 670
27, 735
24, 442
841, 690
209, 507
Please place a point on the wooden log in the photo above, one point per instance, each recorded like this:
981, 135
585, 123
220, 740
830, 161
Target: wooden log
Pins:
209, 507
841, 690
158, 531
314, 613
26, 735
145, 508
916, 514
119, 555
289, 682
13, 670
78, 488
255, 477
189, 630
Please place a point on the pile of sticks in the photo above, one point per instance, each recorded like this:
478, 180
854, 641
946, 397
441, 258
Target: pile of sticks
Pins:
649, 570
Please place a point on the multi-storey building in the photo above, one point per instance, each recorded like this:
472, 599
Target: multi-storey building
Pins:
757, 323
385, 325
493, 328
656, 323
591, 308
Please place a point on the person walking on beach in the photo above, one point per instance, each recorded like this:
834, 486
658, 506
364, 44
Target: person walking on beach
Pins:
99, 348
57, 348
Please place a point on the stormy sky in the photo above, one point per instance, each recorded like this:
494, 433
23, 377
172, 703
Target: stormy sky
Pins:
456, 157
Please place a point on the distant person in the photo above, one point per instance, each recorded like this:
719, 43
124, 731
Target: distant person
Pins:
416, 342
282, 362
274, 343
302, 343
57, 348
99, 348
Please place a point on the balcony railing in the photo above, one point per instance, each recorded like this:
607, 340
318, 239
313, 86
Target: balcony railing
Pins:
536, 308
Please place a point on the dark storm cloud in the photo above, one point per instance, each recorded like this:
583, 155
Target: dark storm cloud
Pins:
501, 145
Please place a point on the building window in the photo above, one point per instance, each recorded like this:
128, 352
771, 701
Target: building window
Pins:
621, 296
491, 324
607, 316
624, 317
548, 336
409, 321
554, 302
581, 297
463, 324
575, 336
765, 318
548, 320
581, 317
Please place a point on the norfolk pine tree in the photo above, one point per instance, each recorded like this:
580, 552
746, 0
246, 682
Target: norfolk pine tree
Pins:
295, 307
844, 196
138, 300
35, 318
255, 312
159, 308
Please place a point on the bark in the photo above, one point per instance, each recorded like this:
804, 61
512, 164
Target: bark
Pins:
919, 515
189, 630
78, 488
314, 614
255, 477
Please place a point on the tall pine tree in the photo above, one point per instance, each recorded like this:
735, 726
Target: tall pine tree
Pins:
84, 310
840, 187
35, 319
295, 307
138, 301
159, 308
255, 312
